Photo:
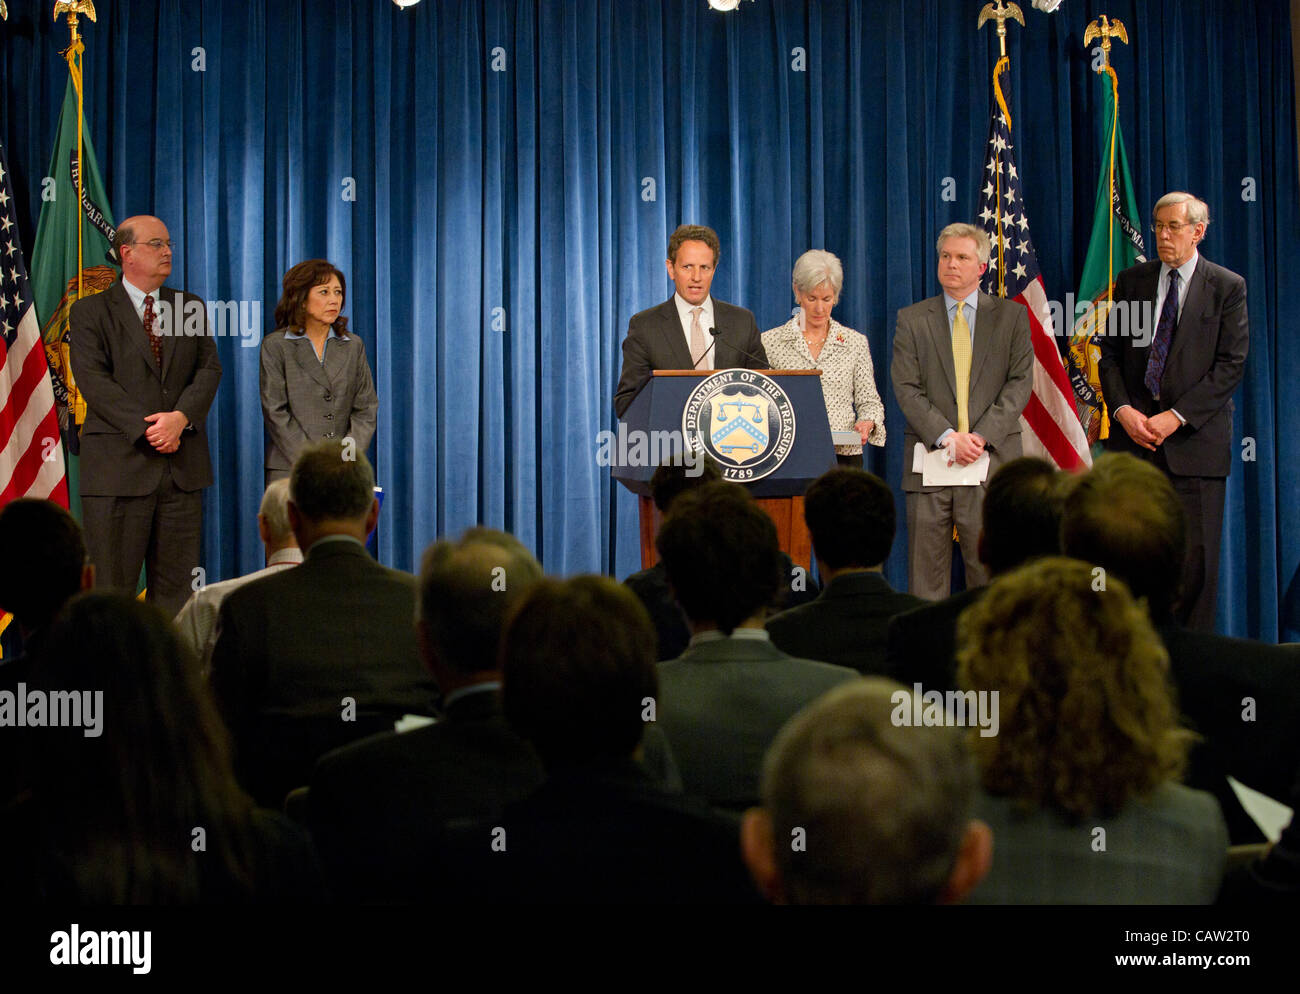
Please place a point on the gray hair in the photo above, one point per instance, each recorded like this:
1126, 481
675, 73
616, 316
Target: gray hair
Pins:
331, 482
884, 806
815, 267
275, 511
961, 229
1198, 211
467, 589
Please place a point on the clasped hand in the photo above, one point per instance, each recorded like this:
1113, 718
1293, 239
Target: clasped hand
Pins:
1148, 432
164, 431
964, 447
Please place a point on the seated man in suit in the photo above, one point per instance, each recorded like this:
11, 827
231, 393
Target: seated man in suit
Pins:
690, 330
651, 585
724, 699
884, 811
578, 681
850, 516
1021, 521
377, 807
324, 653
1242, 696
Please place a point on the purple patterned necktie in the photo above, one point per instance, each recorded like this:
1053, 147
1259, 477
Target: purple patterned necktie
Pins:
1164, 332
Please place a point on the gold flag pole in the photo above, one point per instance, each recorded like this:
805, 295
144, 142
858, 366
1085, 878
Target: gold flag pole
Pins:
1001, 13
1106, 29
72, 9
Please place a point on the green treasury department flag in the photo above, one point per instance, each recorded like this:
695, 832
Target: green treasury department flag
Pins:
1116, 244
65, 267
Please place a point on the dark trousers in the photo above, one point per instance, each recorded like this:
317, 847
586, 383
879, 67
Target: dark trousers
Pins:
1202, 499
159, 531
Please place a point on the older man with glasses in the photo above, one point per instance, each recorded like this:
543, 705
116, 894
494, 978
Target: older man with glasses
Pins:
147, 366
1169, 382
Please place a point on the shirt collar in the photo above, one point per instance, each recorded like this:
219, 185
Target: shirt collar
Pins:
474, 688
136, 294
972, 301
753, 634
293, 554
336, 538
1184, 272
684, 311
294, 333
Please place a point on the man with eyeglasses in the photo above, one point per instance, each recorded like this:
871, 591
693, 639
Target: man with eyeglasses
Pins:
1174, 352
148, 369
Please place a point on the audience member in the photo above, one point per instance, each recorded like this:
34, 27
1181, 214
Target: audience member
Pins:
724, 699
860, 809
197, 620
377, 807
651, 585
1081, 780
579, 683
322, 654
850, 516
1020, 521
1273, 878
134, 801
1241, 696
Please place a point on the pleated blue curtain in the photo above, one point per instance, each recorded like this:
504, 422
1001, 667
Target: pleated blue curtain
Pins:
498, 179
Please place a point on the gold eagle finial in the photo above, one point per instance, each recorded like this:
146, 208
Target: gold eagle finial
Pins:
1001, 13
1105, 29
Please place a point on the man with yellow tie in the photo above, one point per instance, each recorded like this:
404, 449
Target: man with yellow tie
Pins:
962, 373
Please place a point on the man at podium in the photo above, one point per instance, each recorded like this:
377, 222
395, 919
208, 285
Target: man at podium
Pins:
690, 330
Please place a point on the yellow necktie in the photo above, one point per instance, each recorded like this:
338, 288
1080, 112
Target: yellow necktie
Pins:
961, 364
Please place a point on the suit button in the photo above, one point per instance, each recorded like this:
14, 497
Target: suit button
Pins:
329, 434
329, 417
328, 397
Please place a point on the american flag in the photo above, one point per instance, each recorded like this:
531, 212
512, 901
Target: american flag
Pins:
31, 455
1050, 425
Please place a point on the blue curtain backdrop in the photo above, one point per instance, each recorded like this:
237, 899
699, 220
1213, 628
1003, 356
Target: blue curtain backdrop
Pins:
498, 178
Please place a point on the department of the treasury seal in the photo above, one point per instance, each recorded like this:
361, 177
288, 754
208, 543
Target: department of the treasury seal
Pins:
743, 419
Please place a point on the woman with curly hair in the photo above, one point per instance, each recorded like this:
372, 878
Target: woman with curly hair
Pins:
1080, 784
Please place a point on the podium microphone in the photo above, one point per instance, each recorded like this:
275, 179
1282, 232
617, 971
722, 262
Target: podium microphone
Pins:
706, 351
762, 363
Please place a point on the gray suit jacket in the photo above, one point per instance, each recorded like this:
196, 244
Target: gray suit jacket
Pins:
925, 380
115, 371
655, 341
721, 704
304, 401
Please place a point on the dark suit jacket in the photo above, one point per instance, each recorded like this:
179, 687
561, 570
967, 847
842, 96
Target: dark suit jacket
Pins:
721, 704
1206, 360
292, 646
115, 370
922, 643
378, 808
845, 625
671, 626
304, 401
603, 834
925, 379
655, 341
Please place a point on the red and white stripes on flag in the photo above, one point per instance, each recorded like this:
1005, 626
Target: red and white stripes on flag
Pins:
31, 454
1050, 425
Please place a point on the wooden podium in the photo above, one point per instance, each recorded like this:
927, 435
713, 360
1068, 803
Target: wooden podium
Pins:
660, 406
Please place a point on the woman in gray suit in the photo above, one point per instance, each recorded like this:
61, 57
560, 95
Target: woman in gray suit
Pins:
316, 382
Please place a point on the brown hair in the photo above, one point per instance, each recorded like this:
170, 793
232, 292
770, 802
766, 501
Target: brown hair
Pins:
694, 233
1087, 713
299, 281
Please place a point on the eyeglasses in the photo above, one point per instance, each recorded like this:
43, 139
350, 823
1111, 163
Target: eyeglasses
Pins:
1173, 227
158, 243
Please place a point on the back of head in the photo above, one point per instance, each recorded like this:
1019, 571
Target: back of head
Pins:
577, 662
42, 556
332, 481
1087, 718
467, 589
149, 762
673, 479
721, 555
884, 806
850, 516
1124, 516
274, 510
1022, 513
